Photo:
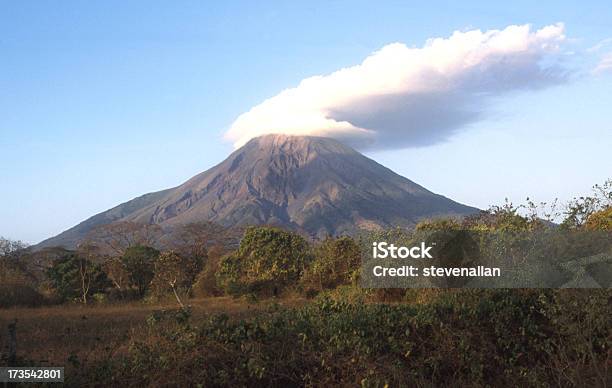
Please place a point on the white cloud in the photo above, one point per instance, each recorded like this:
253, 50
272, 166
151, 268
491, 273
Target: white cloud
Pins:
604, 65
403, 96
601, 44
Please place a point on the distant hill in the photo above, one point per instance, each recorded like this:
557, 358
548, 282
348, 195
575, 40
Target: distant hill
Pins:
310, 184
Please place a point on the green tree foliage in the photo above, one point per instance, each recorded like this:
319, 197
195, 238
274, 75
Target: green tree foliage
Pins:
229, 276
75, 277
579, 210
208, 242
175, 273
506, 217
139, 262
268, 259
438, 224
600, 220
336, 262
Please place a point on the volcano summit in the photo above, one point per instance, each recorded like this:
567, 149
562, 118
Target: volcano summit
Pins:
310, 184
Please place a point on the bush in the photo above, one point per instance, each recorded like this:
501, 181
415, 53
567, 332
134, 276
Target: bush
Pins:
206, 282
336, 262
174, 273
17, 285
19, 294
74, 277
267, 260
139, 262
438, 224
464, 338
600, 220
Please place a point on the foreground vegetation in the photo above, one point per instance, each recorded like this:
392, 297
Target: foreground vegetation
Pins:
344, 337
267, 307
501, 338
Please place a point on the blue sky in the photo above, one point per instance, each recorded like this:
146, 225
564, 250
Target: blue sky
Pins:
103, 101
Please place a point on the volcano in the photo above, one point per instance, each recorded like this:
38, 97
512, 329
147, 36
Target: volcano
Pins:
313, 185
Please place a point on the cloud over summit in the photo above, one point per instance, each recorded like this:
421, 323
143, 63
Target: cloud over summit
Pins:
402, 96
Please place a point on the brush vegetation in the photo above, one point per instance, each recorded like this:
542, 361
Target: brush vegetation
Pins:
272, 308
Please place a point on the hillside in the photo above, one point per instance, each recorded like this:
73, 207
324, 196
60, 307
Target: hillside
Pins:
311, 184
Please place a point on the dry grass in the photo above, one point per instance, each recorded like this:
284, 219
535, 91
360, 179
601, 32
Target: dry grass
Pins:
53, 335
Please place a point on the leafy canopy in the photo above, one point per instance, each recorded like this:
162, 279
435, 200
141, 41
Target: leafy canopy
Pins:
266, 256
139, 262
76, 277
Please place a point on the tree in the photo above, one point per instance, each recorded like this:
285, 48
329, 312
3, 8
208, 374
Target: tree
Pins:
74, 276
88, 254
9, 247
195, 239
336, 263
506, 217
438, 224
579, 210
117, 273
175, 273
13, 260
206, 284
230, 275
139, 262
18, 286
117, 237
268, 259
600, 220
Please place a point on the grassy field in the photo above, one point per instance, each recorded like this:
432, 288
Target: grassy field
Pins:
58, 335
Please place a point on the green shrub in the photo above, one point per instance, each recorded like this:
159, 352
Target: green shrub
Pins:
268, 260
600, 220
139, 262
75, 277
336, 262
174, 273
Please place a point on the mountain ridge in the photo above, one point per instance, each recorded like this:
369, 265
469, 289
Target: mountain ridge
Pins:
311, 184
